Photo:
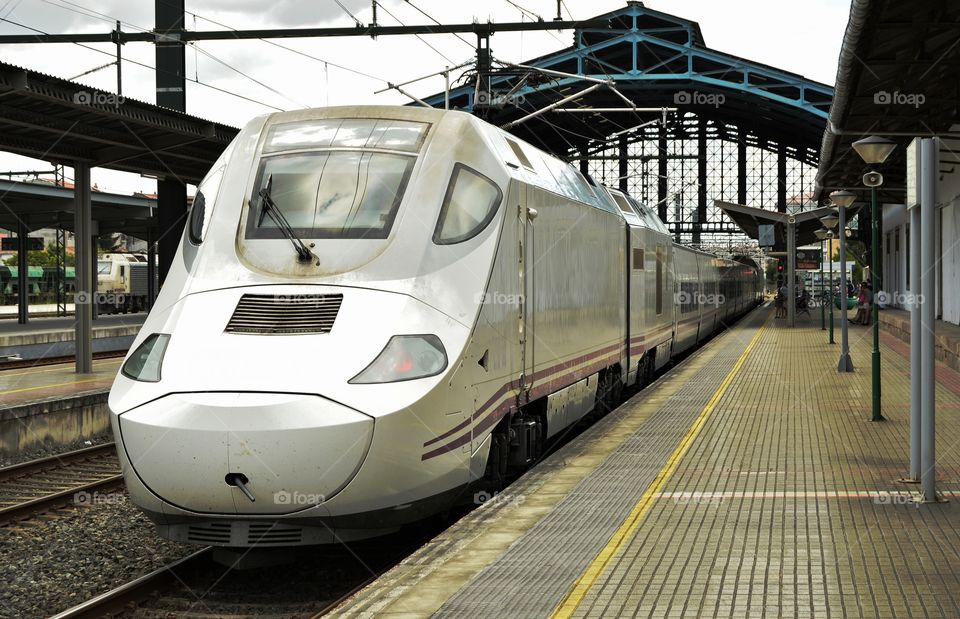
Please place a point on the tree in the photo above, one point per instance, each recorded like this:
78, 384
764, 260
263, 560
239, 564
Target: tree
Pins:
45, 258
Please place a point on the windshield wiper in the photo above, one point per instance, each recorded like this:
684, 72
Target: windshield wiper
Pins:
269, 207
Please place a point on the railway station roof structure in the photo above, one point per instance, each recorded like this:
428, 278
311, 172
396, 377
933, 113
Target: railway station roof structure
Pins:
742, 131
41, 205
896, 78
63, 122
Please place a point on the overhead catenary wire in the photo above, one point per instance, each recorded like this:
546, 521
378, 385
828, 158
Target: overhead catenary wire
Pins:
345, 10
103, 16
424, 41
431, 18
249, 77
146, 66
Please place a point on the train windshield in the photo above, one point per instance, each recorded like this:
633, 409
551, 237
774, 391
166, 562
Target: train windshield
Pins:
103, 267
345, 180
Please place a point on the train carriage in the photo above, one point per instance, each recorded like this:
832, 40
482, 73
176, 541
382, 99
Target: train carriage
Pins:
375, 310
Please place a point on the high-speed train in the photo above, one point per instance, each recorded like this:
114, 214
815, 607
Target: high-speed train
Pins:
376, 310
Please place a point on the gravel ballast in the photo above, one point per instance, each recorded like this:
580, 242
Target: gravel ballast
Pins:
58, 561
44, 450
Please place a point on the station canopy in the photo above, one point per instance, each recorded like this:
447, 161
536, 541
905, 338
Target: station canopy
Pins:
897, 77
63, 122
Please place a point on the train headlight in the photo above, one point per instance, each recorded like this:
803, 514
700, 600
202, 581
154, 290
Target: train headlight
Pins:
144, 364
405, 357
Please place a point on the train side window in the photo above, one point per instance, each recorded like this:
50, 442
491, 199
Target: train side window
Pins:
638, 258
469, 205
199, 217
121, 271
659, 279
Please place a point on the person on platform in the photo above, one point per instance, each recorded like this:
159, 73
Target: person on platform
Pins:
780, 301
863, 305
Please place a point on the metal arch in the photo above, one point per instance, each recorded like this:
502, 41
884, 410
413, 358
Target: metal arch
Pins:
689, 52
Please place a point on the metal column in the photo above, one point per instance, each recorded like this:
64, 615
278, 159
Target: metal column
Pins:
928, 268
23, 281
171, 93
94, 245
845, 364
82, 226
791, 271
916, 293
151, 269
662, 149
702, 178
624, 165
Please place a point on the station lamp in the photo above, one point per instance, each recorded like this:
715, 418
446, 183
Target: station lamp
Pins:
843, 198
830, 220
874, 150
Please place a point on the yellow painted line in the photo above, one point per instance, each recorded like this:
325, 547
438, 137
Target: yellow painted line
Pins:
59, 368
74, 382
575, 596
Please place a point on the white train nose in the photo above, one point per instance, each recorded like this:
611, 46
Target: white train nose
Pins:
245, 453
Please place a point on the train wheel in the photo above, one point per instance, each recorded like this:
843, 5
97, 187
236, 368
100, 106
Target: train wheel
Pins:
608, 392
644, 371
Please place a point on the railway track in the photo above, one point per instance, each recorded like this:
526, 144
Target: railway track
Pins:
311, 586
48, 483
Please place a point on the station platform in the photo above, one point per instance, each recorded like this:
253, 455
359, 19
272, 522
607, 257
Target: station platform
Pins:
53, 405
747, 481
54, 337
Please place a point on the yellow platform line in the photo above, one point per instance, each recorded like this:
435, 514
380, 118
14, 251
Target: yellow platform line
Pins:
575, 596
59, 368
73, 382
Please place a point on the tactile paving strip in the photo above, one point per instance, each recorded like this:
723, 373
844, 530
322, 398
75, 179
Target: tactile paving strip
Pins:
531, 578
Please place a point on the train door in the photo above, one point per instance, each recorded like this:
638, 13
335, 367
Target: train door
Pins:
526, 238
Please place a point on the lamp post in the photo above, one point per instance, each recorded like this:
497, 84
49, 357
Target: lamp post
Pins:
874, 151
830, 222
822, 235
843, 199
830, 250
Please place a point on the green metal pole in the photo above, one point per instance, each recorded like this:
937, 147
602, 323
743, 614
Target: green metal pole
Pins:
830, 249
823, 311
874, 286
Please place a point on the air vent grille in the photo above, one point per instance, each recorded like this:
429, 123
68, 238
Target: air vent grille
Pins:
285, 314
209, 533
265, 534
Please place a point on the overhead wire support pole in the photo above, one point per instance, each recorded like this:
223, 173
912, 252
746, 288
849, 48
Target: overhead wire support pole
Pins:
423, 77
407, 94
585, 78
483, 29
585, 110
556, 104
119, 66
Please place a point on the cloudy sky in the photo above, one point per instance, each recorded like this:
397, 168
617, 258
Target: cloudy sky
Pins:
802, 37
